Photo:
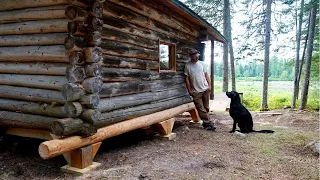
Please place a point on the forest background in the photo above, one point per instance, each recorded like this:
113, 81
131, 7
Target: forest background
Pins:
248, 19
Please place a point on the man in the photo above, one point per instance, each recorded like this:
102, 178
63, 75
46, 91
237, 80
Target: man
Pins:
199, 87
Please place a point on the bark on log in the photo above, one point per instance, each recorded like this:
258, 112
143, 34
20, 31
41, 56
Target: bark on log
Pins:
34, 53
155, 14
35, 27
76, 58
109, 104
90, 115
75, 73
92, 85
118, 74
14, 119
31, 94
33, 81
108, 34
72, 92
44, 109
73, 109
130, 63
34, 39
92, 54
76, 42
32, 14
76, 13
92, 101
56, 147
33, 68
116, 89
70, 126
123, 14
128, 50
93, 69
81, 28
133, 112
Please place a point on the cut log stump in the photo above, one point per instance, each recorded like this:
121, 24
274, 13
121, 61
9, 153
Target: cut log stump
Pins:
165, 129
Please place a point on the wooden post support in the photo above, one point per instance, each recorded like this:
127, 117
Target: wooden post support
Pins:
81, 160
165, 129
194, 115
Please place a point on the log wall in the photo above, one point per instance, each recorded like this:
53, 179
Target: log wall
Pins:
90, 61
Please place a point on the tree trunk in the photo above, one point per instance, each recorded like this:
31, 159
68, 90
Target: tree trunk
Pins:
212, 70
264, 103
305, 88
225, 46
298, 38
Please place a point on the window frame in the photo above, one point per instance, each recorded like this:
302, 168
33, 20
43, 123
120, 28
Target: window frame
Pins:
172, 57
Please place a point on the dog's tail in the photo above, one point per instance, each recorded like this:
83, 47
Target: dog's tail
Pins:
263, 131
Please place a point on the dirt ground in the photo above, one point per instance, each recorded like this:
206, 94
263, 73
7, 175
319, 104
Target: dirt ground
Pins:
194, 154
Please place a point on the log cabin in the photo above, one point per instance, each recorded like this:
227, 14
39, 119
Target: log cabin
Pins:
74, 71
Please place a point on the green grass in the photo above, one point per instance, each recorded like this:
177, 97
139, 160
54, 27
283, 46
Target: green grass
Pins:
279, 94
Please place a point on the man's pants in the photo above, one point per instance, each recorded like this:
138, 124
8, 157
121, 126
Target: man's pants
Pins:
201, 101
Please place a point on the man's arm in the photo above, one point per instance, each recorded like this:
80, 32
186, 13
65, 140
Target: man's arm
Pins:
208, 80
188, 85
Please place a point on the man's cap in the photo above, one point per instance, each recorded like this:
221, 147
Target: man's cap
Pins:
193, 52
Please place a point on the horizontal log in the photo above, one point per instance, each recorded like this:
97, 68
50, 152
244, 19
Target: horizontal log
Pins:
136, 111
132, 63
123, 14
33, 40
33, 14
76, 13
52, 148
35, 27
90, 115
70, 126
92, 54
123, 88
108, 104
180, 66
34, 53
81, 28
119, 74
76, 42
44, 109
33, 68
128, 50
21, 4
143, 8
33, 81
31, 94
75, 73
14, 119
108, 34
72, 92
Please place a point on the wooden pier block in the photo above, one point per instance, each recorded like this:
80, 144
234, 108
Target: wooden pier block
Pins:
82, 157
194, 115
165, 129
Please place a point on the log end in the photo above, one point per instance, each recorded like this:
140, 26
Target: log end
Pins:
44, 151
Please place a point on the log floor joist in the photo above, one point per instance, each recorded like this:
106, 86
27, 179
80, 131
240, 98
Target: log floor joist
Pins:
79, 151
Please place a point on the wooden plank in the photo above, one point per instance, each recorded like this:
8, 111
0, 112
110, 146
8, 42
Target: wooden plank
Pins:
82, 157
35, 27
33, 68
56, 147
44, 109
33, 81
165, 127
34, 53
95, 148
31, 94
30, 133
194, 115
33, 14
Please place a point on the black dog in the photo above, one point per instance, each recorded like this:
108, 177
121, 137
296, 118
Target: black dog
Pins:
241, 115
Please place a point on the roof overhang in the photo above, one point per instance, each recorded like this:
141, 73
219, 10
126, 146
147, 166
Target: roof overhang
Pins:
208, 30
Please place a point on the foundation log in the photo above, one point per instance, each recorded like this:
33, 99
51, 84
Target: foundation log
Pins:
68, 126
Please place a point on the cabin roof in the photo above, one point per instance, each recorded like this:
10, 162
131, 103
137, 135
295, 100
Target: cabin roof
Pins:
185, 11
